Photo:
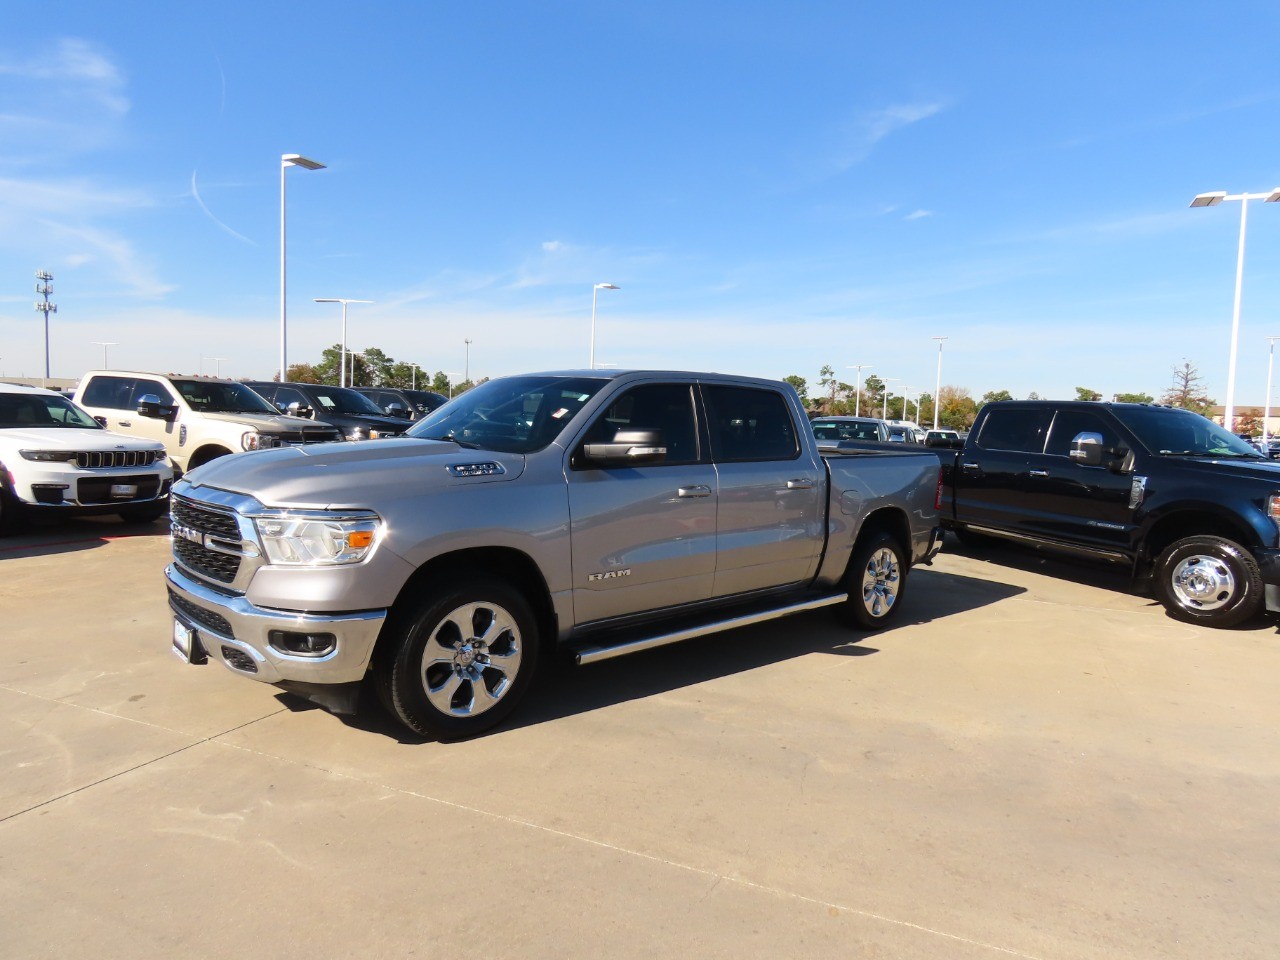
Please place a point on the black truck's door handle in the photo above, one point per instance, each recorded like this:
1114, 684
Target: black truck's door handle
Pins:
1039, 473
971, 467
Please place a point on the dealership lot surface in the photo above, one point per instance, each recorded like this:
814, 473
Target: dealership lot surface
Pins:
1035, 764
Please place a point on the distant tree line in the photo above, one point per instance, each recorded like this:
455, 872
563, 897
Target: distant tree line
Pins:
371, 367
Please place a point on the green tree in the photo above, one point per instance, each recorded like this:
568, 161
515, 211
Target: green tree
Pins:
1084, 393
302, 373
1033, 395
1187, 390
994, 396
957, 408
801, 385
872, 396
1134, 398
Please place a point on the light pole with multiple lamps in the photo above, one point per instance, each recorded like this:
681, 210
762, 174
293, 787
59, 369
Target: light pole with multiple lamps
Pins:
104, 344
342, 360
857, 386
1266, 410
937, 384
1212, 200
594, 293
287, 160
44, 287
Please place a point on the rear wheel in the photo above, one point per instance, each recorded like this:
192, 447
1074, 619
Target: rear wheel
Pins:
876, 581
1209, 580
462, 659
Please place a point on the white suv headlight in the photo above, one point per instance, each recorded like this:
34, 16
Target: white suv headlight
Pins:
297, 538
48, 456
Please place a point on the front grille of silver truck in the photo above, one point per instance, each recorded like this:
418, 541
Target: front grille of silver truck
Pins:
193, 528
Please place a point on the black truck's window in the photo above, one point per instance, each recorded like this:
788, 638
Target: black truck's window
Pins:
1020, 429
749, 424
665, 407
1068, 424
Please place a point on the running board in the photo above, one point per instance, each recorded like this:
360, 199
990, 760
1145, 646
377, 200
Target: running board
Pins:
596, 654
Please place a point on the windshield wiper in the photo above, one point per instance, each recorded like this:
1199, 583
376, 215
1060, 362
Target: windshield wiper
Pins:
450, 438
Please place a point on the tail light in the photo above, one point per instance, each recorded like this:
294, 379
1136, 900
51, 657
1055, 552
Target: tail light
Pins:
937, 496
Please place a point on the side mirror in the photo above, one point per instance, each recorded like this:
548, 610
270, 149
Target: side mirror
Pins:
1087, 449
299, 409
151, 407
397, 411
630, 448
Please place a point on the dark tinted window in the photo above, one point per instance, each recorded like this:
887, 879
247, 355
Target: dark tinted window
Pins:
665, 407
123, 393
1021, 428
749, 424
1068, 423
287, 395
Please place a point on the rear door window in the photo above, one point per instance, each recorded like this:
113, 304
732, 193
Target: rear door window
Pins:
749, 424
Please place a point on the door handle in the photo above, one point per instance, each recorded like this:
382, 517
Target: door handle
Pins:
1039, 473
972, 467
803, 483
698, 491
126, 423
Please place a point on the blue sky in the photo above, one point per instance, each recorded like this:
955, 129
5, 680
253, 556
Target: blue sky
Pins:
774, 187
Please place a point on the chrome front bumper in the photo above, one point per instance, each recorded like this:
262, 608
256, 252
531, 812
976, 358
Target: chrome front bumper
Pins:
230, 629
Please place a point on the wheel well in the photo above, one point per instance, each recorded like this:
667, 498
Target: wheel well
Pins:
885, 520
1179, 526
510, 565
206, 453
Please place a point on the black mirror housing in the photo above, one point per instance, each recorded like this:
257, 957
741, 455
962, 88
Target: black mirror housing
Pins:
150, 406
297, 409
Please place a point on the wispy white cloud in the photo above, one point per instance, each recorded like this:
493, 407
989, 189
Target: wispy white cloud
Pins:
72, 67
856, 138
918, 215
97, 245
195, 193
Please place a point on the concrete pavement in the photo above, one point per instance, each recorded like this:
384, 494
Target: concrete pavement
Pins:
1028, 766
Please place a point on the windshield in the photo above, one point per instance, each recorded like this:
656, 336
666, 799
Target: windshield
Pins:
512, 415
221, 396
342, 400
22, 411
1173, 432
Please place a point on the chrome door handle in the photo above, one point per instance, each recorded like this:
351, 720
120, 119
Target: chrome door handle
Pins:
126, 423
971, 466
698, 491
1039, 473
804, 483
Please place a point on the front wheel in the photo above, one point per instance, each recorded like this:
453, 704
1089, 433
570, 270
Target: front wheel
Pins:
1209, 580
876, 580
462, 659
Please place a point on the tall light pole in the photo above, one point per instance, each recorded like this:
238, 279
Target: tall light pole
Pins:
1212, 200
104, 344
287, 160
451, 377
937, 386
1266, 410
857, 386
594, 293
884, 412
217, 360
342, 360
415, 376
44, 287
466, 375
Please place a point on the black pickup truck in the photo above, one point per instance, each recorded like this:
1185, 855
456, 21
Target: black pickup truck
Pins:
1190, 508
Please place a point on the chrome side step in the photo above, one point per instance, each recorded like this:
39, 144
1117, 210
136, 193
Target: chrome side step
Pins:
595, 654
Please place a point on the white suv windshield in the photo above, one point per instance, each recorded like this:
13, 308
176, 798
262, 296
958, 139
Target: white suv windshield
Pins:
22, 411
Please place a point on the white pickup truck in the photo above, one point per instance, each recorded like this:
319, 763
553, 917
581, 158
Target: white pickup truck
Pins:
56, 460
592, 512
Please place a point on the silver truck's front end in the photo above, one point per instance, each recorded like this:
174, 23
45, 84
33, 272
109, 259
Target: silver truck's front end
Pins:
244, 573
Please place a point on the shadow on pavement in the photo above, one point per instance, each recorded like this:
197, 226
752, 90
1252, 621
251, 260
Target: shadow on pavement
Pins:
564, 690
50, 537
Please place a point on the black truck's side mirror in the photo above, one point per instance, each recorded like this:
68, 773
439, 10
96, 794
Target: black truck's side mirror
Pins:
630, 448
1087, 449
297, 409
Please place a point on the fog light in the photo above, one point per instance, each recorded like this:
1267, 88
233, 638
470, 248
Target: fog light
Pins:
49, 492
302, 644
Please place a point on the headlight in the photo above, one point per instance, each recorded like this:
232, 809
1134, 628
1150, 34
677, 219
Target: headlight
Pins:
358, 433
311, 539
48, 456
251, 440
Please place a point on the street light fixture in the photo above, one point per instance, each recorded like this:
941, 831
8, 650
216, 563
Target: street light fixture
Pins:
1212, 200
466, 376
342, 362
595, 291
104, 344
884, 412
287, 160
217, 360
1266, 410
937, 387
857, 386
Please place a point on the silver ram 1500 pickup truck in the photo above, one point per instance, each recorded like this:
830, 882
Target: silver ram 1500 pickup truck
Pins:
599, 513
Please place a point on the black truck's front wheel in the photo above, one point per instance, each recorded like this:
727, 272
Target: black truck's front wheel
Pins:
463, 659
1209, 580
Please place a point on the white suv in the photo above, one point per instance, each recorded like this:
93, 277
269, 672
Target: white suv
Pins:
55, 459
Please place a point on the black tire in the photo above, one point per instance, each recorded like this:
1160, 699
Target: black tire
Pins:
12, 513
1208, 580
876, 582
461, 660
145, 512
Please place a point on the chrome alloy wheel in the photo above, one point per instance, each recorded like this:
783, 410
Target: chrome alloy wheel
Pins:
471, 659
880, 582
1202, 582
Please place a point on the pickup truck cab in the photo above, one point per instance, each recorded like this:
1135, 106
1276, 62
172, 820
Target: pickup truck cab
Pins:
196, 418
1190, 508
353, 413
592, 512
